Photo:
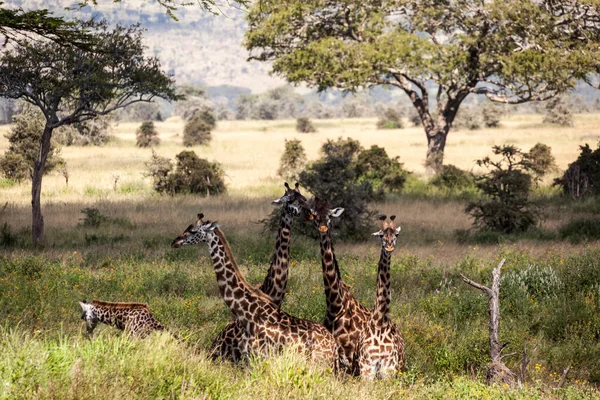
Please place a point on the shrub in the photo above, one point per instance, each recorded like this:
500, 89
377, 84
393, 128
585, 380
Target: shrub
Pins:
146, 135
491, 115
293, 160
506, 207
468, 118
452, 177
583, 175
558, 113
93, 132
304, 125
191, 175
334, 177
391, 119
93, 217
385, 174
581, 229
24, 145
197, 130
158, 169
541, 160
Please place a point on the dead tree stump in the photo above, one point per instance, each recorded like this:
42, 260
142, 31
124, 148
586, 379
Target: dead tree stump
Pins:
496, 372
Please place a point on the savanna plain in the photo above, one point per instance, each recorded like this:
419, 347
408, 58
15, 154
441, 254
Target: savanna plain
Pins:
550, 292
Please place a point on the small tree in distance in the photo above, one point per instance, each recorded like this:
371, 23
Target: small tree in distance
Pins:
71, 85
293, 160
557, 112
197, 130
305, 125
146, 135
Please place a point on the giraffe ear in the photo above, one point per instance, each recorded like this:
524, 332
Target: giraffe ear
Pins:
398, 229
212, 226
378, 233
336, 212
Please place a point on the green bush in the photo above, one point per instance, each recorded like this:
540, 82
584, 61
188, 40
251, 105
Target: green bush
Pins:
541, 160
583, 175
453, 178
385, 174
146, 135
506, 207
191, 175
198, 128
93, 217
24, 146
304, 125
581, 229
93, 132
391, 119
293, 160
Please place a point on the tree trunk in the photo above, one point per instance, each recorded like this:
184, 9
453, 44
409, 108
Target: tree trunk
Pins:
37, 220
436, 142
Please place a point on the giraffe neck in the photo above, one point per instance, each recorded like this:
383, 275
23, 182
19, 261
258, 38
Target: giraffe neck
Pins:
382, 302
277, 275
105, 315
237, 293
334, 293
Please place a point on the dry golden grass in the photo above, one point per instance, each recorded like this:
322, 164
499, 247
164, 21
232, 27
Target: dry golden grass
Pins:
250, 153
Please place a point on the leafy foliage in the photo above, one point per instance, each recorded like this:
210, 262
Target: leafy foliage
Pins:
507, 207
191, 175
510, 51
453, 178
541, 160
583, 175
91, 132
198, 128
581, 229
293, 160
350, 177
24, 138
146, 135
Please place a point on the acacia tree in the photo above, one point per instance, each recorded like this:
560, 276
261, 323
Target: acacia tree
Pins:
437, 51
71, 85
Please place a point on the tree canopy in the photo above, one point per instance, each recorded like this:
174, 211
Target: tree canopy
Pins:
437, 51
71, 85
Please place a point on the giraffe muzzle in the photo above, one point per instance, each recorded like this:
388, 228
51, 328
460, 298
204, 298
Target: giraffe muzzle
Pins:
175, 244
389, 249
323, 229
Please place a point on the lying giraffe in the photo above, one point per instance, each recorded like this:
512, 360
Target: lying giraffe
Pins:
226, 344
381, 346
134, 318
345, 317
266, 328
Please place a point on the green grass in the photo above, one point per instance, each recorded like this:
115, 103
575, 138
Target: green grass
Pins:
553, 306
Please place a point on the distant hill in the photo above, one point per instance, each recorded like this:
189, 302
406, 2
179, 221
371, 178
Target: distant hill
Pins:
200, 48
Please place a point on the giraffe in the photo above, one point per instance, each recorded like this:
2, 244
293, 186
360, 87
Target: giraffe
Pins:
134, 318
266, 328
226, 344
345, 317
381, 347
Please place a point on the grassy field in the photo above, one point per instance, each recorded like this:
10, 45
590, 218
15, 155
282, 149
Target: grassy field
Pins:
550, 292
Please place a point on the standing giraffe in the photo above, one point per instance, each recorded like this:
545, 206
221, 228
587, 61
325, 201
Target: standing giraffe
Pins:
226, 344
381, 347
345, 318
266, 328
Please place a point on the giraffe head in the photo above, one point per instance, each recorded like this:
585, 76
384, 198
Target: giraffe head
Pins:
388, 233
199, 232
89, 316
294, 202
322, 214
